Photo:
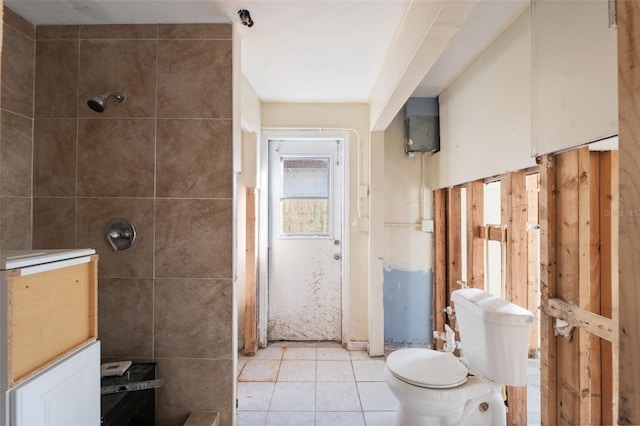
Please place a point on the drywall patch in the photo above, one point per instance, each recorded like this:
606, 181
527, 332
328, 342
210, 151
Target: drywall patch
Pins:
408, 300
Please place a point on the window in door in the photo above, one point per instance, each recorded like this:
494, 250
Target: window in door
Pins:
305, 197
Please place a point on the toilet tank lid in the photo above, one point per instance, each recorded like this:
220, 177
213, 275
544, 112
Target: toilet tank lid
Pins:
491, 308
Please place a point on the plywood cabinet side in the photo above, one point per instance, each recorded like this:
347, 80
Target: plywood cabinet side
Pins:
49, 314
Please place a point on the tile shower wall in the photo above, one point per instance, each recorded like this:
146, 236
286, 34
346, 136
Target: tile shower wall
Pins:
163, 160
16, 129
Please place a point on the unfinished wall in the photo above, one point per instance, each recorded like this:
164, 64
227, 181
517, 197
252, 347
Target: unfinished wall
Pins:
579, 228
16, 133
506, 107
575, 98
247, 179
345, 116
407, 254
162, 159
628, 14
485, 114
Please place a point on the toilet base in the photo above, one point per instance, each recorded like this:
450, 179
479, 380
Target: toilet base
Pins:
477, 402
487, 410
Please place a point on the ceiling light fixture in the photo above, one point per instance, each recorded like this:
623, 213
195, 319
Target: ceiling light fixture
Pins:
245, 17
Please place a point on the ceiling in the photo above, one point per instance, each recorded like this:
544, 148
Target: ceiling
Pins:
299, 50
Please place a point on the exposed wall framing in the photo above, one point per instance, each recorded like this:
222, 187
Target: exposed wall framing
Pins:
440, 292
512, 233
454, 240
493, 232
548, 275
609, 193
593, 293
475, 240
533, 263
514, 215
448, 211
628, 18
454, 246
577, 196
250, 319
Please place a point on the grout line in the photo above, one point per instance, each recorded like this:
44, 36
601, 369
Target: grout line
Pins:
155, 205
33, 144
75, 221
17, 114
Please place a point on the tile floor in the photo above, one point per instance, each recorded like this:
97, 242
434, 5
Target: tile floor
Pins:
324, 384
319, 385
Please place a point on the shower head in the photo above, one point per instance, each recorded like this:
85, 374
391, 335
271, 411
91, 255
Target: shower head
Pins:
99, 103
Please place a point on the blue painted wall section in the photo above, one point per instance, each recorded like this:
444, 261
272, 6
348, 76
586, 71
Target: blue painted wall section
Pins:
408, 302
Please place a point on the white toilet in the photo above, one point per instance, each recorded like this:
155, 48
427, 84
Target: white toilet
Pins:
437, 388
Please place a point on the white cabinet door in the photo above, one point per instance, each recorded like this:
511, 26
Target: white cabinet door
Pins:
66, 394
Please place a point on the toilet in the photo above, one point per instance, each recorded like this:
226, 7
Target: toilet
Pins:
437, 388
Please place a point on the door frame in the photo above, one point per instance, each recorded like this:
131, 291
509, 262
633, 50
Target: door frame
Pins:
263, 222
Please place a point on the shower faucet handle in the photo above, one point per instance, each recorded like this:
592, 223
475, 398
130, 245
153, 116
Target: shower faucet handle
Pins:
120, 234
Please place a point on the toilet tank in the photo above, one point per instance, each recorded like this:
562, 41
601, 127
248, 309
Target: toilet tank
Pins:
494, 335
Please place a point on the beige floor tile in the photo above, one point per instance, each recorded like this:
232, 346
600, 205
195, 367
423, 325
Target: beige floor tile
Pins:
297, 371
271, 352
333, 354
337, 397
252, 418
294, 396
344, 418
369, 371
358, 355
254, 396
291, 418
334, 371
299, 353
256, 370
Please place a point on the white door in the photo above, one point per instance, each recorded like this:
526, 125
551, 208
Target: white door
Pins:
305, 240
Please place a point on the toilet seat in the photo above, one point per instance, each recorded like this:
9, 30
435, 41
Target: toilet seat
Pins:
427, 368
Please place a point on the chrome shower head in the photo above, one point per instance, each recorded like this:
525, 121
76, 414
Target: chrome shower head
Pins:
99, 103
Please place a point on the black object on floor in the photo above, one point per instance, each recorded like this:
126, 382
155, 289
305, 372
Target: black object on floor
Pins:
129, 400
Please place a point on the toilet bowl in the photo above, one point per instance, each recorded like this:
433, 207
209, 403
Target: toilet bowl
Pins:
472, 400
437, 388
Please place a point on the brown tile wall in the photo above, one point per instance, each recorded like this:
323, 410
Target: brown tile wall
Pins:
16, 132
162, 159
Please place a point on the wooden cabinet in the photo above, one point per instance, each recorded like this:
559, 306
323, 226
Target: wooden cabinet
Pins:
48, 312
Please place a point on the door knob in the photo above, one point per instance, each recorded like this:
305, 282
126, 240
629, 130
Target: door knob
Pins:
336, 256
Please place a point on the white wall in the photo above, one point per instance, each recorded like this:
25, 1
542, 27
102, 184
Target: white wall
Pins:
575, 81
251, 126
355, 119
250, 105
505, 107
485, 114
406, 246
